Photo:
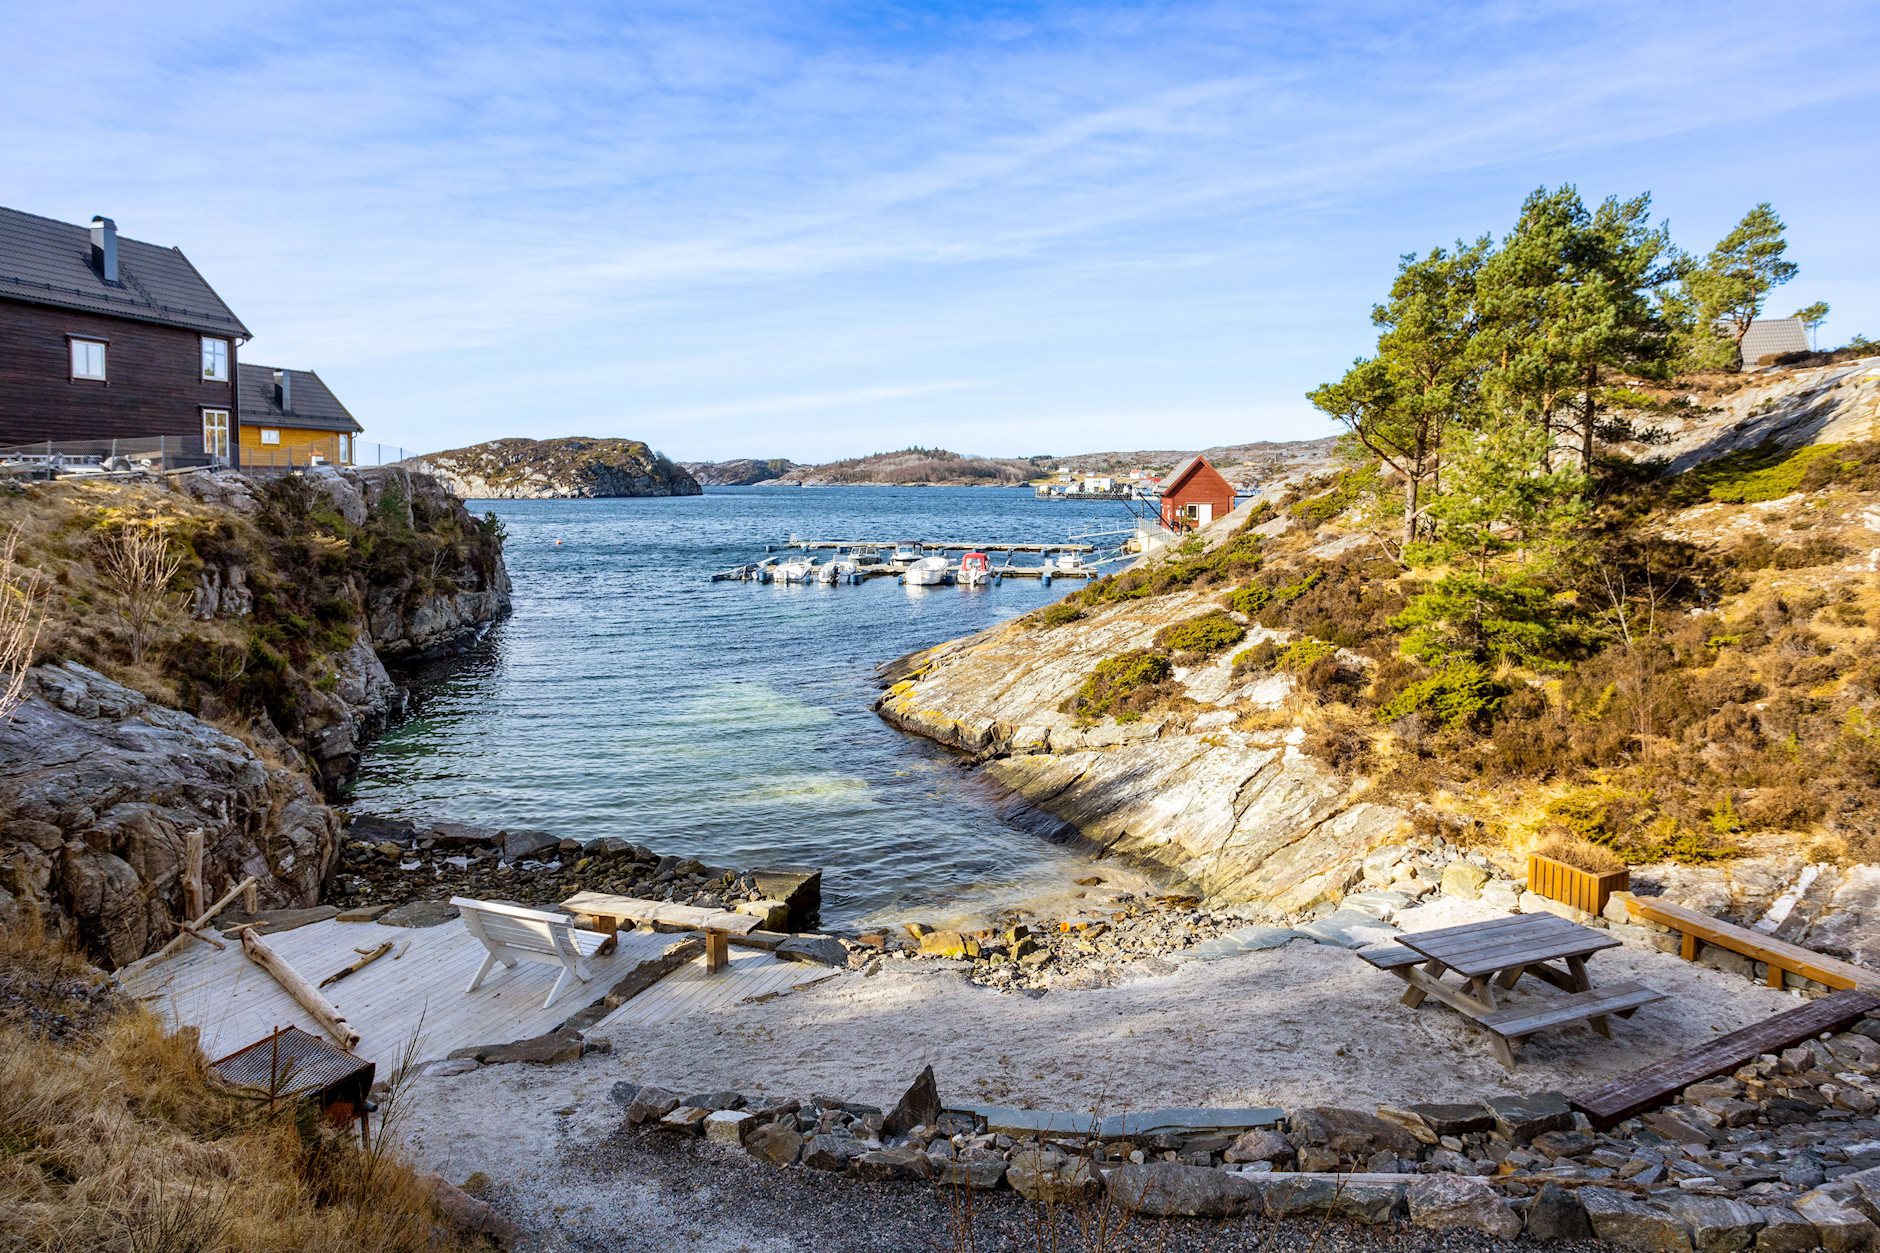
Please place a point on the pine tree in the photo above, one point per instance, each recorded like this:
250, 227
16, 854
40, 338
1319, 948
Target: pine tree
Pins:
1568, 298
1504, 525
1729, 288
1401, 403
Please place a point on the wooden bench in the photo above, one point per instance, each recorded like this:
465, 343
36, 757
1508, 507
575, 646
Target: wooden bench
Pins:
1391, 956
1516, 1023
1780, 956
512, 934
718, 926
1651, 1086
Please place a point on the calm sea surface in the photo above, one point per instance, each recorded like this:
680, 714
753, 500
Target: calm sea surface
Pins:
628, 695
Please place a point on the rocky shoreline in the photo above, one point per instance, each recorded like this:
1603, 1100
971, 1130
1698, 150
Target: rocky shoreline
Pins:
1783, 1154
389, 861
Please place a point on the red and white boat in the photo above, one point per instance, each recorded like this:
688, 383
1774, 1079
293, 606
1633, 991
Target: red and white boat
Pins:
975, 570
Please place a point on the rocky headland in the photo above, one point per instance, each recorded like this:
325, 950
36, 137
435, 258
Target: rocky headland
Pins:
915, 467
1230, 710
571, 467
245, 701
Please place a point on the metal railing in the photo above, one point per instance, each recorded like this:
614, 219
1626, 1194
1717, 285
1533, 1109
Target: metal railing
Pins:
181, 452
153, 452
331, 450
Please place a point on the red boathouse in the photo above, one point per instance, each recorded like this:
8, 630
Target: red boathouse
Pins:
1195, 494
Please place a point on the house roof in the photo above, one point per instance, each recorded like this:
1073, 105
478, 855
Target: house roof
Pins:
1179, 476
1767, 337
316, 408
46, 262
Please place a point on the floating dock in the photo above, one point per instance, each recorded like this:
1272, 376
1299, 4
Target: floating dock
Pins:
1085, 564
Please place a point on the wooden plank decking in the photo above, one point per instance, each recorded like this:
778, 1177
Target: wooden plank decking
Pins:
690, 990
1780, 956
415, 990
1660, 1082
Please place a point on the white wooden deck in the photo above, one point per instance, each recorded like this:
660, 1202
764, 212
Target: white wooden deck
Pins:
689, 990
415, 990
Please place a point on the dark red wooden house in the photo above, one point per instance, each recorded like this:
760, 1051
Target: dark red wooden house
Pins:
1194, 494
108, 339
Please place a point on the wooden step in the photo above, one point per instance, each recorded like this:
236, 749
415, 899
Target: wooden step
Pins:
1391, 956
1659, 1083
1780, 955
1518, 1021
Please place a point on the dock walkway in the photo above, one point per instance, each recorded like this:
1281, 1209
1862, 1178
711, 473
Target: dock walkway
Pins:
417, 990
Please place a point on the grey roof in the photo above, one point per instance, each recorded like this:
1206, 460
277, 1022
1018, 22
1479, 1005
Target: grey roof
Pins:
46, 262
1174, 476
1769, 336
315, 406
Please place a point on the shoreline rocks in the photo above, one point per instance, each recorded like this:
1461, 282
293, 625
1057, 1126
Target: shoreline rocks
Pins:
389, 861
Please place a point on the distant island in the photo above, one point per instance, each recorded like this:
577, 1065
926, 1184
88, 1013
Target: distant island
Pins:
569, 467
1263, 461
740, 472
916, 467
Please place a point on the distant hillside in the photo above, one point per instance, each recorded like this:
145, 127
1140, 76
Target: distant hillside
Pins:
740, 472
910, 467
574, 467
1260, 462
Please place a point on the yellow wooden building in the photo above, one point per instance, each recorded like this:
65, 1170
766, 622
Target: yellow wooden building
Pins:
292, 418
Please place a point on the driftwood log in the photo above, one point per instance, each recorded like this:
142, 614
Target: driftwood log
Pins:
318, 1007
366, 958
192, 930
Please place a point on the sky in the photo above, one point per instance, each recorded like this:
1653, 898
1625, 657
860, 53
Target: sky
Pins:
824, 230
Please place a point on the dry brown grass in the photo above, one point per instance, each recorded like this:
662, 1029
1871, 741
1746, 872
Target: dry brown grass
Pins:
20, 620
1581, 854
113, 1140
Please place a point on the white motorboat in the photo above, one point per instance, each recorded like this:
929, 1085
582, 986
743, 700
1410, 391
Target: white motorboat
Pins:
975, 570
929, 572
840, 570
905, 555
1070, 561
797, 570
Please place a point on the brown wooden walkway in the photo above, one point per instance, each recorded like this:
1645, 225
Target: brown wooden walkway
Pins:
1660, 1082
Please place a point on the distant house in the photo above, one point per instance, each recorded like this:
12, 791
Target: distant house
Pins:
1194, 494
1098, 484
1771, 337
112, 343
291, 418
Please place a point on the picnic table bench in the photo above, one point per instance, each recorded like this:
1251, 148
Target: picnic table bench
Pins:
1779, 956
1492, 957
718, 925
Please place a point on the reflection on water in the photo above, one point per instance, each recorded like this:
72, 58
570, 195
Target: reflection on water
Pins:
630, 696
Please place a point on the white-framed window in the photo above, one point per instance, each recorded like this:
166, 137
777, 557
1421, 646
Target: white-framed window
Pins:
345, 450
214, 360
269, 436
88, 359
215, 433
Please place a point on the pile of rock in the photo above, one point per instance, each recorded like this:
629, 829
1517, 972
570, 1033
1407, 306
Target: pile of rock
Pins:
1026, 952
391, 861
1782, 1155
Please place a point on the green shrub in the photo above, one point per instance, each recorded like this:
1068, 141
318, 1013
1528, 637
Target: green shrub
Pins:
1346, 490
1456, 695
1116, 679
1303, 654
1057, 615
1201, 637
1260, 657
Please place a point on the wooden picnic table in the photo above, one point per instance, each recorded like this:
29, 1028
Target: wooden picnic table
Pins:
1490, 958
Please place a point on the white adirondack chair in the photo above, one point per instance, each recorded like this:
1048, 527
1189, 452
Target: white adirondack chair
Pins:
513, 934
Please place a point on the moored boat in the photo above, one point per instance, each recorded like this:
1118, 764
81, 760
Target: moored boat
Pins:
975, 570
929, 572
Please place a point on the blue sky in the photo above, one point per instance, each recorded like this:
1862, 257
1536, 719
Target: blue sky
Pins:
822, 230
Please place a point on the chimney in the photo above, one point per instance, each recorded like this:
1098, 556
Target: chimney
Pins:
104, 248
284, 390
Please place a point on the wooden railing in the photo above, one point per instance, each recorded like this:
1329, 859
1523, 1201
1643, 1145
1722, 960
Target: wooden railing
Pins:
1582, 889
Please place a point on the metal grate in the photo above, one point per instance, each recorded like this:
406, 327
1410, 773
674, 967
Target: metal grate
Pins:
292, 1063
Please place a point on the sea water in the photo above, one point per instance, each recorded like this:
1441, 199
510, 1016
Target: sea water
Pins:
629, 695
